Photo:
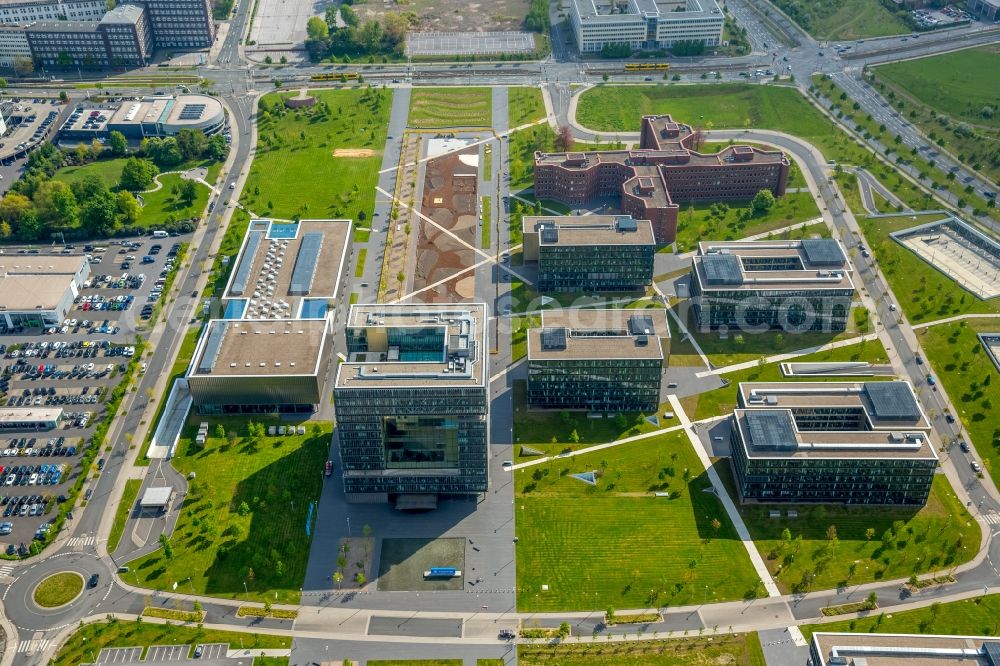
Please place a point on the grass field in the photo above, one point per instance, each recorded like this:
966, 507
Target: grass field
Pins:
924, 293
84, 645
972, 382
58, 589
905, 541
359, 270
432, 108
603, 545
969, 617
414, 662
484, 231
718, 222
524, 105
110, 171
732, 650
122, 512
958, 84
299, 145
723, 400
244, 517
844, 19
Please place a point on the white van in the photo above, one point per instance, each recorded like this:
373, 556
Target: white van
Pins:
160, 234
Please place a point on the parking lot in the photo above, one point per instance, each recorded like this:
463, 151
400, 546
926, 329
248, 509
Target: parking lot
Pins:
73, 366
163, 653
33, 120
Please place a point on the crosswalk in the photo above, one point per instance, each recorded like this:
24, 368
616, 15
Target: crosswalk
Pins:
31, 646
993, 518
81, 541
7, 570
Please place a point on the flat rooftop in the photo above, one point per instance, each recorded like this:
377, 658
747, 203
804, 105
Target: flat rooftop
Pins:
892, 425
280, 264
21, 414
637, 9
772, 265
598, 334
260, 348
36, 282
589, 230
91, 119
906, 649
460, 361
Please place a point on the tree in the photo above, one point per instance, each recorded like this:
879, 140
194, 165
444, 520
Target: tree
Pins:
99, 214
128, 208
187, 192
360, 578
23, 66
762, 201
220, 431
870, 533
574, 436
56, 204
118, 143
191, 143
138, 174
316, 28
63, 97
872, 601
716, 525
564, 629
217, 148
564, 140
168, 549
5, 230
338, 578
13, 206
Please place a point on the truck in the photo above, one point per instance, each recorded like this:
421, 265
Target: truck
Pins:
442, 572
329, 468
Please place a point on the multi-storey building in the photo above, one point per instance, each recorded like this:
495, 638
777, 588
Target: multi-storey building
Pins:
833, 442
120, 39
412, 403
28, 11
38, 290
797, 286
181, 24
985, 10
598, 360
666, 171
645, 24
592, 253
13, 44
924, 649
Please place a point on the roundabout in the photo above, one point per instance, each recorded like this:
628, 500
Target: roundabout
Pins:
58, 590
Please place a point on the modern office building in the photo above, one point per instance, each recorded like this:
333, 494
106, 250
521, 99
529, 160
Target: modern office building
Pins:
796, 286
252, 366
864, 649
28, 11
289, 270
181, 24
30, 418
412, 403
38, 290
832, 442
984, 10
645, 24
120, 39
666, 171
152, 116
598, 360
13, 44
591, 253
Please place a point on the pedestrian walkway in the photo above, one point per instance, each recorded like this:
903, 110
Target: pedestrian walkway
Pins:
992, 518
7, 570
727, 502
168, 430
31, 646
73, 542
948, 320
777, 358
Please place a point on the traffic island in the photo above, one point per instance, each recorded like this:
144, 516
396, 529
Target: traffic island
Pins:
58, 590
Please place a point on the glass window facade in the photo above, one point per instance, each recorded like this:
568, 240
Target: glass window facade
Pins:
600, 385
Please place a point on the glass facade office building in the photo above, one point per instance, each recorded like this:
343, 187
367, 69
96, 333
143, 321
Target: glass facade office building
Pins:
412, 403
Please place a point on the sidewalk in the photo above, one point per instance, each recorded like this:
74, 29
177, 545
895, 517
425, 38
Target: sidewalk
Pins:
777, 358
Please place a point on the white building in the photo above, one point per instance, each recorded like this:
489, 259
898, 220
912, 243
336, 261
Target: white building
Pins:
38, 290
13, 44
27, 11
645, 24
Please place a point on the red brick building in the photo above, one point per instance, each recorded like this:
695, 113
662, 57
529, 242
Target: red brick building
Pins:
663, 173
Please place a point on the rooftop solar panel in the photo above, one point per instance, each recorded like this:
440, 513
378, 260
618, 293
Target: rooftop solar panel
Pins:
892, 401
771, 429
553, 339
722, 269
215, 334
242, 275
305, 263
823, 252
192, 111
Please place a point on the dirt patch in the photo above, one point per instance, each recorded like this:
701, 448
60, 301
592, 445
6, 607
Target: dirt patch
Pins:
451, 15
354, 152
449, 199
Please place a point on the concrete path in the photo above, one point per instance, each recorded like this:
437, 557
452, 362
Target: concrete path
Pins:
777, 358
948, 320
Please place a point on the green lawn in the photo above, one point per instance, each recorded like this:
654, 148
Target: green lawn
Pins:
109, 170
722, 221
733, 650
84, 645
484, 232
924, 293
522, 147
359, 270
524, 105
299, 147
244, 518
414, 662
229, 248
969, 617
519, 335
605, 545
723, 400
959, 84
972, 382
58, 589
122, 512
941, 535
844, 19
432, 108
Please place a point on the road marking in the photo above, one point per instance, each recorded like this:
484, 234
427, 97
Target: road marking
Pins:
78, 541
31, 646
993, 518
6, 570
